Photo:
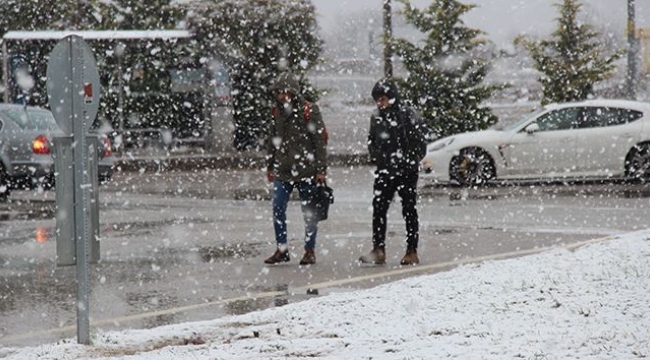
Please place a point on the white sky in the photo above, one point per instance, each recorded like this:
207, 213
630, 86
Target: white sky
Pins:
501, 19
565, 303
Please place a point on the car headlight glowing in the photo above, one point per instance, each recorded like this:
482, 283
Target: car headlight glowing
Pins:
439, 145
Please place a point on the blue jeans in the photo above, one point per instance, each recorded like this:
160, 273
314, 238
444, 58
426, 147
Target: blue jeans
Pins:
281, 194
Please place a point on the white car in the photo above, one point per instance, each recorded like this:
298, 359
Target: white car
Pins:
580, 140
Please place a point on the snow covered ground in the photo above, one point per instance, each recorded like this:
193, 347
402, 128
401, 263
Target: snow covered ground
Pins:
586, 302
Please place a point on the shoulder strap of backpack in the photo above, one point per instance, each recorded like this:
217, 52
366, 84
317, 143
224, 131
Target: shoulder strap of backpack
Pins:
306, 108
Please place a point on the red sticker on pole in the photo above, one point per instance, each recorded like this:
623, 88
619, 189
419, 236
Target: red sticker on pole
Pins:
88, 93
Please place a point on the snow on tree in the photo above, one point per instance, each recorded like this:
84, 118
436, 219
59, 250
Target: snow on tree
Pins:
100, 15
446, 71
42, 15
572, 60
258, 39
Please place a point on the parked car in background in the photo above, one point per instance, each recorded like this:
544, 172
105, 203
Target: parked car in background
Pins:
592, 139
26, 149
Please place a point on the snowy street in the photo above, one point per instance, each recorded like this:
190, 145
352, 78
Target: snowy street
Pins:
584, 303
182, 246
517, 133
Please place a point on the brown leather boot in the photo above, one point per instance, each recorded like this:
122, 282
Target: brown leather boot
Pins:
278, 257
309, 258
411, 257
376, 256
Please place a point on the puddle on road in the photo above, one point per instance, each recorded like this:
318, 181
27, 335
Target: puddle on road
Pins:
458, 194
40, 235
227, 251
252, 194
635, 194
27, 210
604, 192
239, 307
153, 300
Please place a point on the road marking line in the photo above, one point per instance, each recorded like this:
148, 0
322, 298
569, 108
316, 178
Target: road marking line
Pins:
303, 289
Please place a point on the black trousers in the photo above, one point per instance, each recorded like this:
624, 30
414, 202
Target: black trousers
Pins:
386, 184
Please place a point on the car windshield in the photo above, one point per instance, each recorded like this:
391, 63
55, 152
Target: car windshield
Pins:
32, 119
505, 126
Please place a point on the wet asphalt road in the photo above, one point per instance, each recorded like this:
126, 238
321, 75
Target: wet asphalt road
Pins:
181, 246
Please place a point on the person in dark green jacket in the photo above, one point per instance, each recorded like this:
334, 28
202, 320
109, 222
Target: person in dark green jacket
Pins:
296, 158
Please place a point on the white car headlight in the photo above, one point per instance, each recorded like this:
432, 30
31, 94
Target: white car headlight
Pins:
439, 145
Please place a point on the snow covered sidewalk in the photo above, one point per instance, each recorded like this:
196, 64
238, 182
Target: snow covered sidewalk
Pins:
587, 303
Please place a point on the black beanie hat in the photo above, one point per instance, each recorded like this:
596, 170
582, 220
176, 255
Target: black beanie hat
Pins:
385, 87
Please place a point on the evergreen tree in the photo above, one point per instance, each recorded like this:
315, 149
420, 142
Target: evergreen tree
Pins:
42, 15
156, 56
47, 15
572, 61
258, 39
148, 101
445, 72
139, 15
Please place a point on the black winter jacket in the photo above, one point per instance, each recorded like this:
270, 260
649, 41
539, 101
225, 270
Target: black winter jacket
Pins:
396, 139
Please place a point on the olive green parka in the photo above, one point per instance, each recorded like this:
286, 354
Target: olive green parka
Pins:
296, 148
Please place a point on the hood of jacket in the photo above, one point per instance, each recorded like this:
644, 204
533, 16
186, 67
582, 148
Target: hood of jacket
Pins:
286, 82
388, 88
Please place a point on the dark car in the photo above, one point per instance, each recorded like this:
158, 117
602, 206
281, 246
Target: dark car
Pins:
26, 149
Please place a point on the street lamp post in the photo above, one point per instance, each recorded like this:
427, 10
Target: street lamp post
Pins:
119, 54
631, 51
388, 39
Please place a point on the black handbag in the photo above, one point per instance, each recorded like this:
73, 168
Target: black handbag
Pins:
320, 202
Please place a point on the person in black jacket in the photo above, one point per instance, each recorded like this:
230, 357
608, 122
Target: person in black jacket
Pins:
396, 145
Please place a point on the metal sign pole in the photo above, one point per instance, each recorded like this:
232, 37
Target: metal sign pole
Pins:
73, 91
81, 207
